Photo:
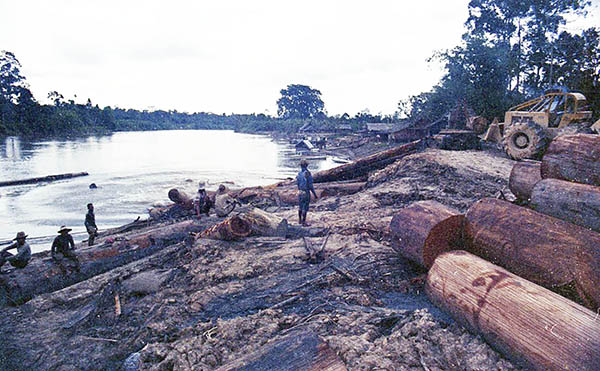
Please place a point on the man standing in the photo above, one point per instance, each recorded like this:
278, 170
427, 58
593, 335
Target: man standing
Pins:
90, 224
62, 248
305, 185
23, 252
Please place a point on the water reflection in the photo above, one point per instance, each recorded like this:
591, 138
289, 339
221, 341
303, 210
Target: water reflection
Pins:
133, 170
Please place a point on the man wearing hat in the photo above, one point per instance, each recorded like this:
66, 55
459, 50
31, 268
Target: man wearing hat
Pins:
203, 203
304, 180
62, 248
23, 252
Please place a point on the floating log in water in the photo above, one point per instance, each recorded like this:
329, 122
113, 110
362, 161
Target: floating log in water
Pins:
42, 275
181, 198
574, 202
532, 325
365, 165
299, 350
523, 177
424, 230
545, 250
573, 157
230, 229
263, 223
48, 178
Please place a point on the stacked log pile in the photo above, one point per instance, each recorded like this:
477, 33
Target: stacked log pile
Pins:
514, 269
566, 183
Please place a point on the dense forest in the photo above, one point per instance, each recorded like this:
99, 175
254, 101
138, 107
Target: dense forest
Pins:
512, 50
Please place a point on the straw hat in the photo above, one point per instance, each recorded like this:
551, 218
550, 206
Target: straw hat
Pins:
64, 228
20, 235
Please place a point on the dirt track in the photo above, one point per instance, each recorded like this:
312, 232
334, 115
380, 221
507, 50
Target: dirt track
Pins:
204, 306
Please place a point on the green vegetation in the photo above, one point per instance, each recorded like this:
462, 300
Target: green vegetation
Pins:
21, 114
513, 50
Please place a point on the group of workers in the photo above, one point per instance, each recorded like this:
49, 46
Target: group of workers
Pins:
62, 250
63, 245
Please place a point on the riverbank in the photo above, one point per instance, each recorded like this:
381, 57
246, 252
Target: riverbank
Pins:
212, 303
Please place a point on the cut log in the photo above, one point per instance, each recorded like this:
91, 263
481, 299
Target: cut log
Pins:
424, 230
365, 165
181, 198
545, 250
41, 275
287, 193
523, 177
263, 223
574, 202
573, 157
48, 178
530, 324
230, 229
299, 350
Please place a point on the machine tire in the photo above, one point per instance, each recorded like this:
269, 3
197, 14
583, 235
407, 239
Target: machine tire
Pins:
525, 140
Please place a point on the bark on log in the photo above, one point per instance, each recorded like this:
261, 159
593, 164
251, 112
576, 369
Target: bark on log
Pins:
181, 198
573, 157
548, 251
530, 324
299, 350
42, 275
47, 178
424, 230
523, 177
230, 229
573, 202
263, 223
288, 193
364, 165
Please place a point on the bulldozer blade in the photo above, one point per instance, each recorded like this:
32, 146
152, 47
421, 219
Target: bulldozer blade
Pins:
493, 133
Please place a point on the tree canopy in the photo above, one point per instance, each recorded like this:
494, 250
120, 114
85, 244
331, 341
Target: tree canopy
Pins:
513, 50
300, 102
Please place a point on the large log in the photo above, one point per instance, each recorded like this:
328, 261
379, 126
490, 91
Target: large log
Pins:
523, 177
181, 198
424, 230
573, 157
299, 350
263, 223
288, 193
545, 250
42, 275
367, 164
574, 202
230, 229
530, 324
48, 178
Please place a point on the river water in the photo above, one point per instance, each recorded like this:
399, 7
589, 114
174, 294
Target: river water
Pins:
133, 171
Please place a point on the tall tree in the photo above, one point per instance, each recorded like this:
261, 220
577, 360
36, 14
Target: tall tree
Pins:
300, 102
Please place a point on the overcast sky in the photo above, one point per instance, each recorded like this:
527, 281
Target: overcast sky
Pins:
230, 56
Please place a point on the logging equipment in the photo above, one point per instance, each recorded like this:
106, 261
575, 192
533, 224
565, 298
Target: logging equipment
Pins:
529, 127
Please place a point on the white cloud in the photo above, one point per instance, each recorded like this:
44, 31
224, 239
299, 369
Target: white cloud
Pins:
230, 56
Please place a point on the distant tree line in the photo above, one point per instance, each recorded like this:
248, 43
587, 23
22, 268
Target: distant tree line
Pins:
513, 50
21, 114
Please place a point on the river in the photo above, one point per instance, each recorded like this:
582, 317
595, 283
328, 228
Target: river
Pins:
133, 171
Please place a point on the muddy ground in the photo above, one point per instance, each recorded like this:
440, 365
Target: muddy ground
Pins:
203, 305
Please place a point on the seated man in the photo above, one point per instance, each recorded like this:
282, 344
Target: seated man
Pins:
62, 247
23, 252
203, 203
